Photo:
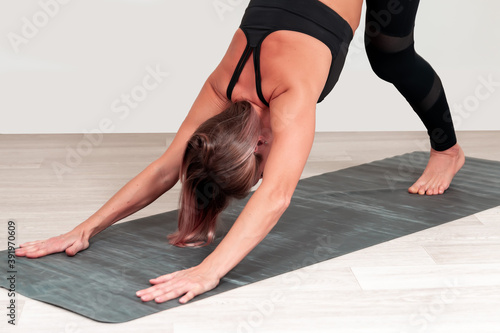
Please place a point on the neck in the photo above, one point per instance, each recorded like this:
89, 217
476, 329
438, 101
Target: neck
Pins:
265, 121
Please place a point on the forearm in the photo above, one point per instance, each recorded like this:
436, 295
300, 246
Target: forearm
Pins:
257, 219
139, 192
152, 182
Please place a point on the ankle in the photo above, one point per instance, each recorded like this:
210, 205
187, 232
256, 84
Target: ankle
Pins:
454, 150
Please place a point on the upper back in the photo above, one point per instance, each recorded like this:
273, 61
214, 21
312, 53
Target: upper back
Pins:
287, 59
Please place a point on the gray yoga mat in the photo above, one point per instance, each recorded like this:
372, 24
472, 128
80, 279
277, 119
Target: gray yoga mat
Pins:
330, 215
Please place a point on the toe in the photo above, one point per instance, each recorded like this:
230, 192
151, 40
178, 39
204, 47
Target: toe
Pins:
413, 189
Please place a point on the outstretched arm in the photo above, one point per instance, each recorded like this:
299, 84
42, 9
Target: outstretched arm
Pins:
143, 189
293, 124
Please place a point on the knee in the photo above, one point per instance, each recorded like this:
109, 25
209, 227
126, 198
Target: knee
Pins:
381, 66
391, 67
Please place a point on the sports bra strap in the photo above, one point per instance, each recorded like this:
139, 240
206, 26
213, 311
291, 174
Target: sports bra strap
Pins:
239, 68
256, 64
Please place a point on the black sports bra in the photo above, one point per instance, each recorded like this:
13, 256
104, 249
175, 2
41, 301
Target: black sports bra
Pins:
312, 17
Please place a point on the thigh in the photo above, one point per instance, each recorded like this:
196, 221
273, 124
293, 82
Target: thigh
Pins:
391, 17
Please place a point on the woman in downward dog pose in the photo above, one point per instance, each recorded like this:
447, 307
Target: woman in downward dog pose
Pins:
256, 111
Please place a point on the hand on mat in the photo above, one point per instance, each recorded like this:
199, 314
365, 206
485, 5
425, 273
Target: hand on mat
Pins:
189, 282
71, 242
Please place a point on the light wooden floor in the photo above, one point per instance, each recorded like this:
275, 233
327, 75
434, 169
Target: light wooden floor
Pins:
444, 279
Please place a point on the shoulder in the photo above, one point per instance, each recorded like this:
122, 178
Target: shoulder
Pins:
293, 61
221, 76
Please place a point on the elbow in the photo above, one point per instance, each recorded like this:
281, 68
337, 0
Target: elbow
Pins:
280, 205
165, 174
278, 201
283, 202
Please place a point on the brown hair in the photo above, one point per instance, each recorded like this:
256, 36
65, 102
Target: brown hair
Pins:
218, 164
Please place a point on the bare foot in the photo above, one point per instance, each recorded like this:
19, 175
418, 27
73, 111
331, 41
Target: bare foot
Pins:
440, 170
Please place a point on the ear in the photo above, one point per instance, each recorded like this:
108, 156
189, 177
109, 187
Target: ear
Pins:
260, 142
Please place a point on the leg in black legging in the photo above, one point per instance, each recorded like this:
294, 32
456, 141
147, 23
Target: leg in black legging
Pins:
390, 48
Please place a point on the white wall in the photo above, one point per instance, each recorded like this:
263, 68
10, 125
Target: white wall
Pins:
69, 75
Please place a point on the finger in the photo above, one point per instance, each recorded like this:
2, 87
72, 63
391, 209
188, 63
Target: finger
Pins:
186, 288
189, 296
36, 254
163, 292
150, 290
172, 294
20, 252
151, 294
30, 243
24, 250
73, 249
154, 292
163, 278
142, 292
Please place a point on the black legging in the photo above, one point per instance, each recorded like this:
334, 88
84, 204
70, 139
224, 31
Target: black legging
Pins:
390, 47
